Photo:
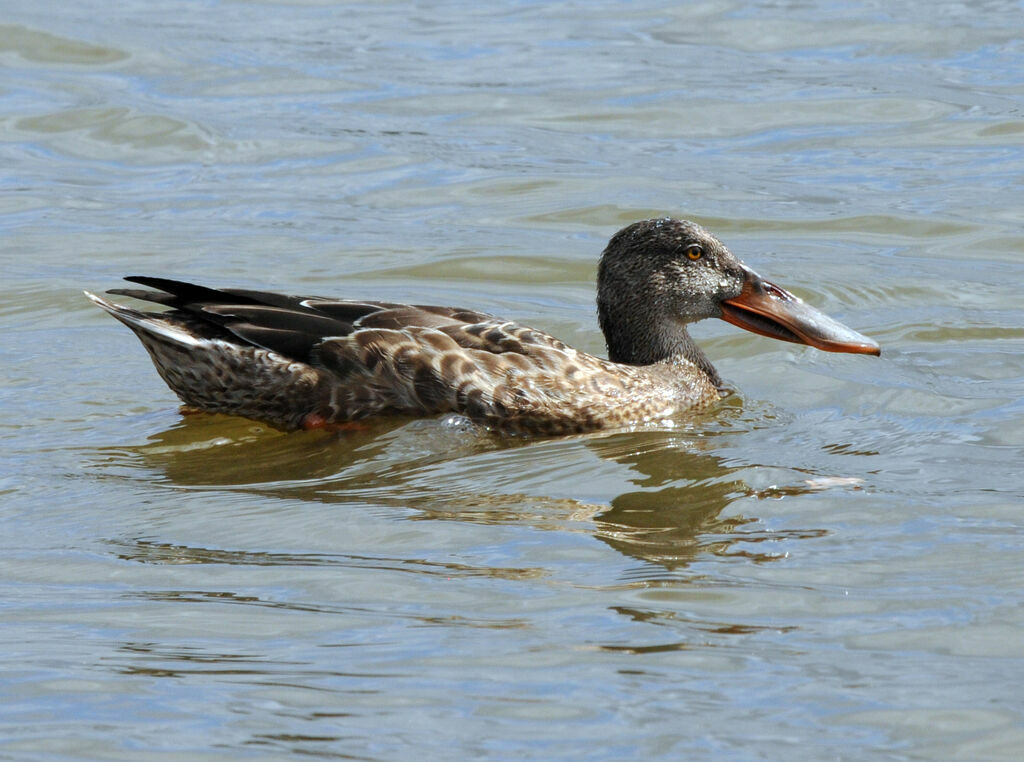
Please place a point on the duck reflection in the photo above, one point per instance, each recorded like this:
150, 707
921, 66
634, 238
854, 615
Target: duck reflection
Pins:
675, 509
684, 509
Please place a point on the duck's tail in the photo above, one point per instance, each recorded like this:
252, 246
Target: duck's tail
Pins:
148, 324
212, 373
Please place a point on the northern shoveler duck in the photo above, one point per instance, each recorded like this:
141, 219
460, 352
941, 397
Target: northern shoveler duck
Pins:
309, 362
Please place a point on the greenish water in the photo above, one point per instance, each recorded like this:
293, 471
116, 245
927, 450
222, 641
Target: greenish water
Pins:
828, 566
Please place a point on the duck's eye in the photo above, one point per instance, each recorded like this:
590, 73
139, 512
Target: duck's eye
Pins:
694, 251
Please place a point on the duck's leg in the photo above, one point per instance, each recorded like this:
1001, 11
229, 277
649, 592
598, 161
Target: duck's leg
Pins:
316, 422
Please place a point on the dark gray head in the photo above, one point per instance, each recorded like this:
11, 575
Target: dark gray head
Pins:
656, 276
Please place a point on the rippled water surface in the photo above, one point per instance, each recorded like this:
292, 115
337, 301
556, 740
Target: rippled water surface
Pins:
826, 566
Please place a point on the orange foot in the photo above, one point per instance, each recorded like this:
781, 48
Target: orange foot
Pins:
316, 422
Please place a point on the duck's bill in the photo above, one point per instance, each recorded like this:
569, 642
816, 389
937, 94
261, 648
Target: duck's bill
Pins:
764, 308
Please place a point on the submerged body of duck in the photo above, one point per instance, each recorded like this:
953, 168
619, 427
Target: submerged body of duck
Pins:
308, 362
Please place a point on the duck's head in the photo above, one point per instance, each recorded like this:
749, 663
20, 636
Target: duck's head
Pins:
658, 275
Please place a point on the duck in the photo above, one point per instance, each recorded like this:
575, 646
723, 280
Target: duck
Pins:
310, 362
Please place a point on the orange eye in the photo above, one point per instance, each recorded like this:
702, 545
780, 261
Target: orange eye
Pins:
694, 252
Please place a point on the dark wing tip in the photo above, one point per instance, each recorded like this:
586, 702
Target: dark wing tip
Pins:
184, 291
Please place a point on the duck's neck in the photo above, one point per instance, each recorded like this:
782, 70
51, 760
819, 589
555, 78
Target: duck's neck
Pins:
646, 342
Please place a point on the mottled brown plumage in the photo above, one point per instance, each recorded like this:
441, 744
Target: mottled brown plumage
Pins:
298, 362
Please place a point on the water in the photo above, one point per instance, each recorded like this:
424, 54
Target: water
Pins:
827, 566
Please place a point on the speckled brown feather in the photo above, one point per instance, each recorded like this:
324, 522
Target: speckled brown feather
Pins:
430, 360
